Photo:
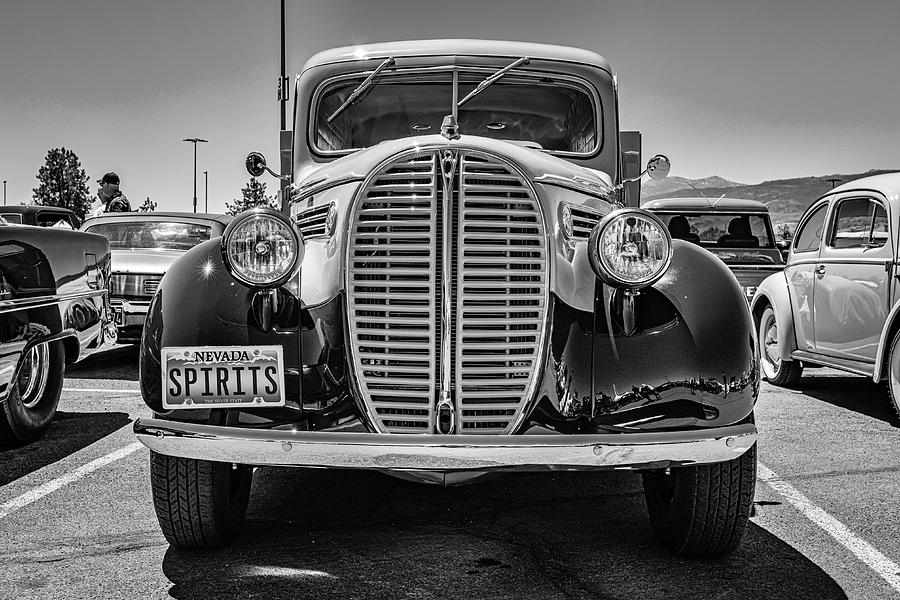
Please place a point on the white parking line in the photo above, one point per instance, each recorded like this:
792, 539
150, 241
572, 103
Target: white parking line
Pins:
875, 560
7, 508
102, 390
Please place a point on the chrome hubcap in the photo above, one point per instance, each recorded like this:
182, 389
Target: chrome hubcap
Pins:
770, 353
33, 375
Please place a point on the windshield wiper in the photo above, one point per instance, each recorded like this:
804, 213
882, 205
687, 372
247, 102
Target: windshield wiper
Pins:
366, 84
484, 84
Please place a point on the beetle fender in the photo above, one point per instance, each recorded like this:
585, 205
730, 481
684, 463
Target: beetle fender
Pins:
773, 291
891, 324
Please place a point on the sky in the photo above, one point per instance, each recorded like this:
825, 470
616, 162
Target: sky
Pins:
747, 90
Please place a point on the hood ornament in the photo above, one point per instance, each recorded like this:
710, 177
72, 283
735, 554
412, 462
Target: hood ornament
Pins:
450, 128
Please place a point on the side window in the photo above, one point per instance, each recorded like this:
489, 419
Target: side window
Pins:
859, 223
810, 234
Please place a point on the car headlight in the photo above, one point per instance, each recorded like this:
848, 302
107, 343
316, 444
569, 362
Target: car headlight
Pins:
630, 248
261, 248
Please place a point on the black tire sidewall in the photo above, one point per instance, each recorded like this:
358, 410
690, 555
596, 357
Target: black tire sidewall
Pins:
26, 424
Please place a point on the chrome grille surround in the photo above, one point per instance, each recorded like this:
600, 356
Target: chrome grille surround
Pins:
447, 289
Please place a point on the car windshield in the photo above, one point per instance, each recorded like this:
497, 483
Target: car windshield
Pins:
556, 114
165, 235
720, 230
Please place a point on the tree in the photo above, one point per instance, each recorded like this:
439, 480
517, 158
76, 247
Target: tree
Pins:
148, 205
784, 232
62, 182
254, 194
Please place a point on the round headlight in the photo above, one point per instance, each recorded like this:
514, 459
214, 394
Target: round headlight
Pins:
261, 248
630, 248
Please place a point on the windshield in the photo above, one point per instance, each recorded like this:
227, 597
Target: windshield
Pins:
720, 230
152, 234
557, 114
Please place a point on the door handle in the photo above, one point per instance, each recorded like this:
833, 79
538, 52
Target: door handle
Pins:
820, 270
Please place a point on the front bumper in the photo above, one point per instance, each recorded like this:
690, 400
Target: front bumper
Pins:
417, 452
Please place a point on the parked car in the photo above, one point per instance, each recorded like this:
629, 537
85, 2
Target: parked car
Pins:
453, 316
736, 230
42, 216
835, 304
54, 309
144, 245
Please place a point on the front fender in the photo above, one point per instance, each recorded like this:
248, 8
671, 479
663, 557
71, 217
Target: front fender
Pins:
773, 291
199, 303
691, 363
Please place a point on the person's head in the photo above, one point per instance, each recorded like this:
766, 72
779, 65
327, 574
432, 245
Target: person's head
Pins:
109, 184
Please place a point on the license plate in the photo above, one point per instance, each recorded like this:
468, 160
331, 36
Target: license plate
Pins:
118, 315
229, 376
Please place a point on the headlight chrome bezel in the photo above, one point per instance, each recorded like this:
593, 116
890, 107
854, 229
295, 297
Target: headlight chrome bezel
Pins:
261, 213
599, 263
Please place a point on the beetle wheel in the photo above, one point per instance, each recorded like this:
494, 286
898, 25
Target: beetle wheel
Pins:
894, 374
775, 370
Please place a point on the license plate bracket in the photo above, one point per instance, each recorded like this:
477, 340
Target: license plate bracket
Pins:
222, 376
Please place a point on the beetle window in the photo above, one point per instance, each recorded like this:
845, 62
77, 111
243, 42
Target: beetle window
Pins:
859, 223
810, 234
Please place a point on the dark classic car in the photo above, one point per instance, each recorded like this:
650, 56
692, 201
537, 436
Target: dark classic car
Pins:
835, 304
453, 290
736, 230
42, 216
53, 310
144, 245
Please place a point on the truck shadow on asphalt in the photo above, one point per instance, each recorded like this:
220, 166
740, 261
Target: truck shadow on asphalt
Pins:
69, 432
119, 362
859, 394
328, 534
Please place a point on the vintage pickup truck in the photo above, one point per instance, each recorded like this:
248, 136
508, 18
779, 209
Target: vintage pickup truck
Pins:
454, 289
737, 230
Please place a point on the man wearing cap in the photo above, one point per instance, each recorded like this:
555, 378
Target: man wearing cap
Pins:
113, 200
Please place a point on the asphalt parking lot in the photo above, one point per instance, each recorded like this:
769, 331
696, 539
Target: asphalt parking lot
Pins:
76, 519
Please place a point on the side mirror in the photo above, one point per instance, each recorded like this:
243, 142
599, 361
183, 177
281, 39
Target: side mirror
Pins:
256, 164
658, 167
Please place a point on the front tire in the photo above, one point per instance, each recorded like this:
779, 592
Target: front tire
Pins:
894, 373
34, 394
775, 370
702, 511
199, 503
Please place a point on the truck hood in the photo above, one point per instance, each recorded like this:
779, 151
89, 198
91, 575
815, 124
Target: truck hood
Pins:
143, 260
535, 163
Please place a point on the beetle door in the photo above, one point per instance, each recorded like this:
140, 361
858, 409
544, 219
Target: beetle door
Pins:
851, 286
800, 272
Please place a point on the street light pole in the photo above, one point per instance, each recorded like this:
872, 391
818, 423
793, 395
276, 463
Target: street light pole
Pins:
834, 181
206, 191
4, 192
195, 141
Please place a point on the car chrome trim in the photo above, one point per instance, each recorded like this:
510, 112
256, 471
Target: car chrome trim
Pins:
42, 301
835, 363
434, 452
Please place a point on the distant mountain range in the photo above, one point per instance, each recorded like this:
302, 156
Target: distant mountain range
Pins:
786, 198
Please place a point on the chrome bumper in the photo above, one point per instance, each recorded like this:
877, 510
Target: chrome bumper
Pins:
418, 452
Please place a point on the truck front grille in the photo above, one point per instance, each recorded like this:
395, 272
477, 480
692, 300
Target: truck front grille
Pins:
441, 249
